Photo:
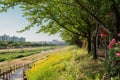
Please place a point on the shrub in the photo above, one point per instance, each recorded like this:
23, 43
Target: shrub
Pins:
61, 66
18, 56
2, 59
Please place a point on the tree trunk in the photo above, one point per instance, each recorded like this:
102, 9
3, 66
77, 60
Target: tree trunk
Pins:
95, 48
89, 43
117, 19
95, 38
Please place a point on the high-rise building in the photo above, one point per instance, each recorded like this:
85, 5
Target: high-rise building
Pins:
14, 38
5, 37
0, 38
22, 39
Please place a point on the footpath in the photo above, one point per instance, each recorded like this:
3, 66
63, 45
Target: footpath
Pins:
16, 72
17, 75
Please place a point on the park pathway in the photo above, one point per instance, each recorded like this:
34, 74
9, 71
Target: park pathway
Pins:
16, 72
17, 75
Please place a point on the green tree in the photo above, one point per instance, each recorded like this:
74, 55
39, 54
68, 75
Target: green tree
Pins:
79, 17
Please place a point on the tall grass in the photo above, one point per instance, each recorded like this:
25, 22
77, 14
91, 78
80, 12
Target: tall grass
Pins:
71, 64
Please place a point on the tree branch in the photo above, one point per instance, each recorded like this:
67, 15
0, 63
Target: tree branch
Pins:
92, 15
65, 27
71, 22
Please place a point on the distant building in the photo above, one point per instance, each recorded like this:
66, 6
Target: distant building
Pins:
22, 39
13, 39
53, 42
1, 38
58, 42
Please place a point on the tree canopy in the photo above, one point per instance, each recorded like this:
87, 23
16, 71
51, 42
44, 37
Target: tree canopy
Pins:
73, 19
76, 20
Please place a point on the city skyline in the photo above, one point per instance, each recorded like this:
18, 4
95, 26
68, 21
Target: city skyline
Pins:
13, 38
12, 21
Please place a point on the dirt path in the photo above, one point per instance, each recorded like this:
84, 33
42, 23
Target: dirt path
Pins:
24, 60
18, 49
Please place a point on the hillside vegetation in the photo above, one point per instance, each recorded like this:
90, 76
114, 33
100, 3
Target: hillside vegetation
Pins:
10, 55
67, 64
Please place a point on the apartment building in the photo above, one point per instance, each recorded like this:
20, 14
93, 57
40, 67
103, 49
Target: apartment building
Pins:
13, 38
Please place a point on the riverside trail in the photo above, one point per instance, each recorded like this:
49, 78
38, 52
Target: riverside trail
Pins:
18, 74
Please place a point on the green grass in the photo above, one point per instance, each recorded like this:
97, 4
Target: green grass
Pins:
71, 64
10, 55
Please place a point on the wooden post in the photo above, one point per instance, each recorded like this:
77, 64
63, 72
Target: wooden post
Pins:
24, 75
16, 67
0, 72
10, 72
13, 68
24, 66
3, 75
6, 77
25, 78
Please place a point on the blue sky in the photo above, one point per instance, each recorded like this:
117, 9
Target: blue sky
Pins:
12, 21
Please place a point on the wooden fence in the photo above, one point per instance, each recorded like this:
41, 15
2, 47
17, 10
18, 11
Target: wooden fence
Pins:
6, 73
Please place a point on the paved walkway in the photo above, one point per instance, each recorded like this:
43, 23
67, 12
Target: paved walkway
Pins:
17, 75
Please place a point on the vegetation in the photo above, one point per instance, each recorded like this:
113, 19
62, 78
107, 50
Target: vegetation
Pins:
96, 22
10, 55
84, 17
68, 64
12, 45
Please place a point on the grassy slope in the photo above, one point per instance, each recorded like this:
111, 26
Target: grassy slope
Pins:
67, 64
10, 55
28, 59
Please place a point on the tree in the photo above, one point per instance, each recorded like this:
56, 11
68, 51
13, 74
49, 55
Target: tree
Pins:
79, 17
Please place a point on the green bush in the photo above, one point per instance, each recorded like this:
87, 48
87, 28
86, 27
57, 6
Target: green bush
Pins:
2, 59
18, 56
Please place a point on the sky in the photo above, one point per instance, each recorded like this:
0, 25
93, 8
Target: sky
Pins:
12, 21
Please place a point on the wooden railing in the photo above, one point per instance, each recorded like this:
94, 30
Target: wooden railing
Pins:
6, 73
